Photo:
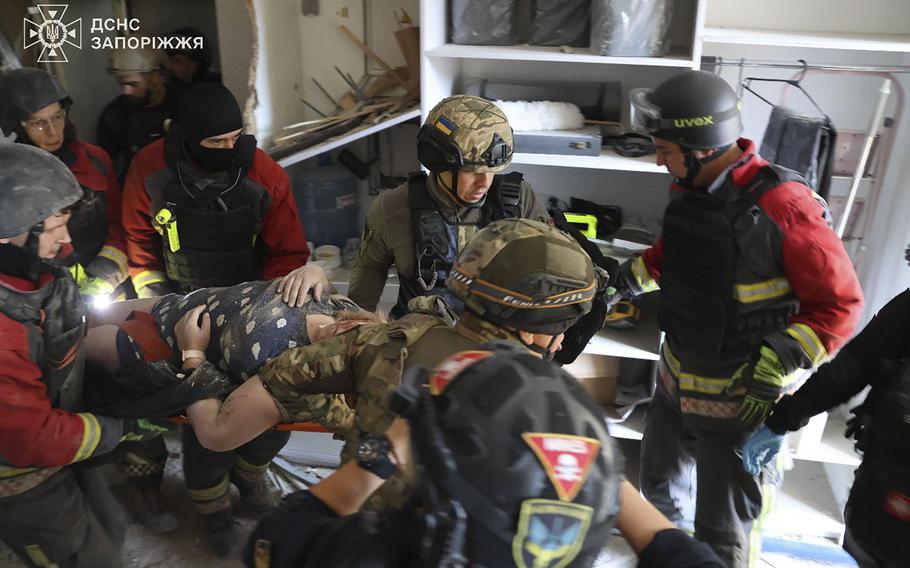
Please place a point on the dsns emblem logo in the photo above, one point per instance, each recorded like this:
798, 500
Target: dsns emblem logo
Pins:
52, 33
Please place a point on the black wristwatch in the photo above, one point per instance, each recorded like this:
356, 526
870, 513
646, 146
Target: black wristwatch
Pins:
373, 455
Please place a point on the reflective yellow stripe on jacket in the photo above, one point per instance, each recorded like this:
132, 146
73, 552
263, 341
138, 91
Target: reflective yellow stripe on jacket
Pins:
149, 277
116, 256
810, 343
758, 291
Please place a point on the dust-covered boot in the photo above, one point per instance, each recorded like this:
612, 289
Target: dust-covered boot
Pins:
257, 492
153, 510
219, 532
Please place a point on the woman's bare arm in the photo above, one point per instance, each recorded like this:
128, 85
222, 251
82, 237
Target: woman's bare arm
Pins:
638, 521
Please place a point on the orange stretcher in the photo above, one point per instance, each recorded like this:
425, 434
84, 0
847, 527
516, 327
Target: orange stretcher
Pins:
283, 426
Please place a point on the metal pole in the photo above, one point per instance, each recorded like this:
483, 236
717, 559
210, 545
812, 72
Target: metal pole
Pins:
884, 94
721, 62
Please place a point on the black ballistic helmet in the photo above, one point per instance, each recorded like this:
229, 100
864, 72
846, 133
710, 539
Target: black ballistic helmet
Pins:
515, 461
33, 186
24, 92
695, 109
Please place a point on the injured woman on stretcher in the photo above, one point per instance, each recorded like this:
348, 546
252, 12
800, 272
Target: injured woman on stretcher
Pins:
151, 350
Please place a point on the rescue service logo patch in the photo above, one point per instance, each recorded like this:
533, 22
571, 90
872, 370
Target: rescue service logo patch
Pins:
452, 367
550, 533
566, 459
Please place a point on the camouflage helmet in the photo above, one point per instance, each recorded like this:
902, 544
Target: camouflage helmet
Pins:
464, 132
525, 274
134, 61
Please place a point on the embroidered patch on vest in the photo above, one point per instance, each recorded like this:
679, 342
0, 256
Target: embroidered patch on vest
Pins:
550, 533
566, 459
452, 367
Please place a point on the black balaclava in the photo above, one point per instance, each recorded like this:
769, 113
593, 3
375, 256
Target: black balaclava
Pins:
206, 110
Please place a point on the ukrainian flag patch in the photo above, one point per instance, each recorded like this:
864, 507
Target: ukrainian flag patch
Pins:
445, 125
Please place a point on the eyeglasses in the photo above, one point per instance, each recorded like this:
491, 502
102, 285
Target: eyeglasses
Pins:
42, 124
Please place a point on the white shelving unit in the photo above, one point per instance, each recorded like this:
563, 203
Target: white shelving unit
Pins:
553, 55
348, 137
607, 160
812, 40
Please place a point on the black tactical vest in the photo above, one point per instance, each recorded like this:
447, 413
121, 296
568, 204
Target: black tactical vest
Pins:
54, 317
218, 221
435, 240
722, 260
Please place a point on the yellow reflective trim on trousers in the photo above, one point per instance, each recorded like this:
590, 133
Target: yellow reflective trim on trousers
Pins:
809, 341
149, 277
774, 288
691, 382
91, 436
116, 256
37, 556
210, 493
768, 502
248, 467
643, 277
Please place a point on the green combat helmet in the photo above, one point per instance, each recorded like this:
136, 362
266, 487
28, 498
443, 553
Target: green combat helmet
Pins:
465, 133
526, 275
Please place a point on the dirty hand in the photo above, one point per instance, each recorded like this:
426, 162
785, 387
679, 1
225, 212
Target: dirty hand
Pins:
295, 286
193, 332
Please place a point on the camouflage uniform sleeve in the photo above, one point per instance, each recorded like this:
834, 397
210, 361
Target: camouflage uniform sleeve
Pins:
371, 268
308, 382
532, 207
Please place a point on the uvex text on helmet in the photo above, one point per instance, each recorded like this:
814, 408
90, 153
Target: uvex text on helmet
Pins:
695, 109
465, 132
33, 186
525, 274
24, 92
533, 461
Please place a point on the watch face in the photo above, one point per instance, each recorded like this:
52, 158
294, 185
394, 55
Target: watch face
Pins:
369, 450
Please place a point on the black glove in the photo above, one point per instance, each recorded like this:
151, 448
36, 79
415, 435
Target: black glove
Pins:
578, 336
857, 426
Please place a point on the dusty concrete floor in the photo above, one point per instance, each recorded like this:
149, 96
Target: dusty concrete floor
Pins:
184, 548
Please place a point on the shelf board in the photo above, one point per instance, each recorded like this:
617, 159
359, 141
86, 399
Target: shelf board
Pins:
348, 137
819, 40
552, 54
607, 160
640, 342
833, 447
632, 428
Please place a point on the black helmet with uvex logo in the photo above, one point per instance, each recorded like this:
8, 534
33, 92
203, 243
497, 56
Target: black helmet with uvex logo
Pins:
695, 109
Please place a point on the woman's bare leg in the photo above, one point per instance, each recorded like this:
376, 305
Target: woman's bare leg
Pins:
248, 411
